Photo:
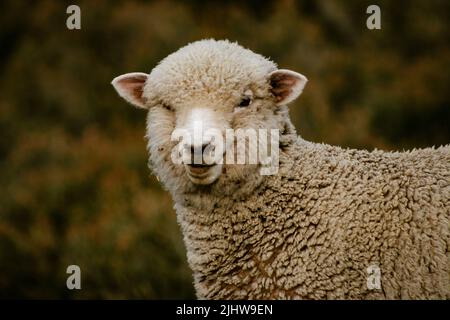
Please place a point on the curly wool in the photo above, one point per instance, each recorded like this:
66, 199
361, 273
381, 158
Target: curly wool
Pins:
206, 70
312, 231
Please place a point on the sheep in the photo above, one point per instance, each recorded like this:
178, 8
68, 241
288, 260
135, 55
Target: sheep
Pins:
332, 223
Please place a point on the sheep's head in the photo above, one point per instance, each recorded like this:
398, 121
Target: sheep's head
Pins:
203, 91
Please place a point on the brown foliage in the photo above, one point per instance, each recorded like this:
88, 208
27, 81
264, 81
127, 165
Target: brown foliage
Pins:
75, 186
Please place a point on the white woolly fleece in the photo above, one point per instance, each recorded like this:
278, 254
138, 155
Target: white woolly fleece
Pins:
206, 70
313, 230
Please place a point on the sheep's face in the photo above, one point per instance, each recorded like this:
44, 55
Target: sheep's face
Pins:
200, 99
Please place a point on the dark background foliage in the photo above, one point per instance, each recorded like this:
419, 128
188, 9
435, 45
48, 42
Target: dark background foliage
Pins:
75, 187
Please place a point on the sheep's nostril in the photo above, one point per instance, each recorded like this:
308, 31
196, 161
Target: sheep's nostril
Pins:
195, 149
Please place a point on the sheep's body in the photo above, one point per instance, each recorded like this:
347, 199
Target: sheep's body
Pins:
312, 231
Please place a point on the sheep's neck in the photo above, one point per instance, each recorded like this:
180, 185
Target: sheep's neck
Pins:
220, 233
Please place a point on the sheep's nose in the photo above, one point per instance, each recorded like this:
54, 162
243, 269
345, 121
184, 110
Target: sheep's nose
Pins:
196, 149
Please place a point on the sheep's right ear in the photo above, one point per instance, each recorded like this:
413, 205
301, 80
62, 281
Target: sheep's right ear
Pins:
130, 86
286, 85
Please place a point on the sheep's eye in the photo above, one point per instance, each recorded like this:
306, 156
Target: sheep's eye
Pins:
167, 107
245, 102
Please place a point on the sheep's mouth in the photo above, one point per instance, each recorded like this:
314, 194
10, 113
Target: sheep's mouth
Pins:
203, 173
198, 170
202, 165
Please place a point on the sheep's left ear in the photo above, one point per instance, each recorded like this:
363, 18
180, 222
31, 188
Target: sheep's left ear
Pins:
286, 85
130, 86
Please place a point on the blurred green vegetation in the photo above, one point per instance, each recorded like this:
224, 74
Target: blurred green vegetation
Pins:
75, 186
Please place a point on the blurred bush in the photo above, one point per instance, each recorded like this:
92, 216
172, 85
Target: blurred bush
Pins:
75, 186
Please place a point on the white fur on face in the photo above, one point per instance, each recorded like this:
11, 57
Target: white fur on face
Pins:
201, 129
197, 121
